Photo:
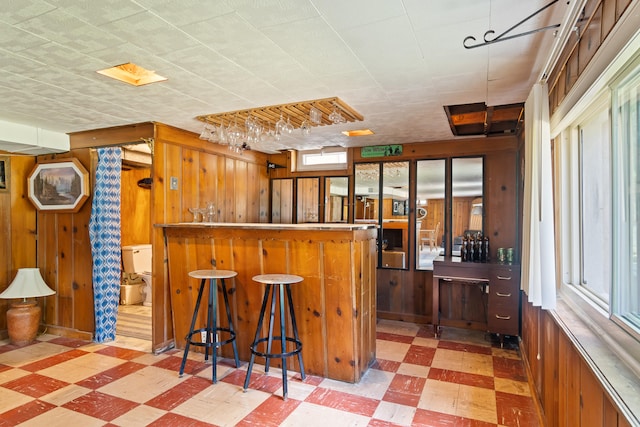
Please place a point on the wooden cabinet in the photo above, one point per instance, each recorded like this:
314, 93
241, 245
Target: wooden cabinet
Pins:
504, 300
335, 305
488, 296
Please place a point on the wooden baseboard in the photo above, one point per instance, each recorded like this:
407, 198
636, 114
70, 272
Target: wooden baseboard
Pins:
165, 346
532, 387
66, 332
413, 318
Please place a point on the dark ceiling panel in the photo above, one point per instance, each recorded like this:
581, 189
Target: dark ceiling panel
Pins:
478, 119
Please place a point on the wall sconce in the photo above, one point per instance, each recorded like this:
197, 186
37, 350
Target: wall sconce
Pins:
23, 317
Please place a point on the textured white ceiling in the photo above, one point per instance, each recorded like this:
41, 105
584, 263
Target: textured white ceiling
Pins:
396, 62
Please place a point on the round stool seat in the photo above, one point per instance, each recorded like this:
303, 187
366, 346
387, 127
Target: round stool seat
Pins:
212, 274
278, 279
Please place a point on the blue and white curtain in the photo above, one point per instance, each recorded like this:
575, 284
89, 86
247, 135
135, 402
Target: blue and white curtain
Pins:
104, 233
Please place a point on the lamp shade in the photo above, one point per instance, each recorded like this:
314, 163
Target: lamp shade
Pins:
28, 283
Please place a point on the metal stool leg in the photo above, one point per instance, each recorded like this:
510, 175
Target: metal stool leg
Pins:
255, 339
283, 342
193, 324
294, 326
271, 317
226, 305
213, 328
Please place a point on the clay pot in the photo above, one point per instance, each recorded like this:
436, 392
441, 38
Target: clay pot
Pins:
23, 319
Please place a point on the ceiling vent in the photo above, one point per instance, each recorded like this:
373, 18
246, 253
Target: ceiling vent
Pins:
478, 119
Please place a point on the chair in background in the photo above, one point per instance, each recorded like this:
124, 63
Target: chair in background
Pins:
430, 237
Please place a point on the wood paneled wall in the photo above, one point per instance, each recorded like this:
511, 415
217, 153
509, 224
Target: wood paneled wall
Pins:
64, 258
17, 228
135, 207
598, 19
403, 295
237, 183
566, 387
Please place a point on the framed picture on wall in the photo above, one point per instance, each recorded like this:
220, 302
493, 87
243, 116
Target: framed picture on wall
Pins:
59, 186
399, 207
4, 173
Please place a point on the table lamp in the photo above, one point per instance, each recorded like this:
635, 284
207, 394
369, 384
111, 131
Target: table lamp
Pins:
23, 317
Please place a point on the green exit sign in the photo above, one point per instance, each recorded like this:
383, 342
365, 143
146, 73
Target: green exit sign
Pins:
381, 151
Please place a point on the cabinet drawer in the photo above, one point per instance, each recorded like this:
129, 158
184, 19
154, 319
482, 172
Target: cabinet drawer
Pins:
503, 323
500, 290
505, 274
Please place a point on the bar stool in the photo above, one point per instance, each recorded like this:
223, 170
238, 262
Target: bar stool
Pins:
211, 330
276, 283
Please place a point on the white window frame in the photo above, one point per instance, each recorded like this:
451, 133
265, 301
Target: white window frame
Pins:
567, 149
567, 157
302, 158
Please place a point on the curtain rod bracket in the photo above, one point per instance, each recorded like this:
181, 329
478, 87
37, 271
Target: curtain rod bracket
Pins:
501, 37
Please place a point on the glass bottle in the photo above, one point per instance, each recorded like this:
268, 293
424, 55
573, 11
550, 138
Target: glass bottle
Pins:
486, 250
464, 250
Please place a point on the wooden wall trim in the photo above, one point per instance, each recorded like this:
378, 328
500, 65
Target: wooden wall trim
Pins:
449, 148
117, 135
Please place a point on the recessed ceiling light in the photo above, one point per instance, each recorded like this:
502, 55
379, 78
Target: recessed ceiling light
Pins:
132, 74
357, 132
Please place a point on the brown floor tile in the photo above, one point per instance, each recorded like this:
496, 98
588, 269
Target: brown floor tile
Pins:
25, 412
271, 413
343, 401
53, 360
179, 394
100, 405
516, 410
35, 385
461, 378
110, 375
419, 355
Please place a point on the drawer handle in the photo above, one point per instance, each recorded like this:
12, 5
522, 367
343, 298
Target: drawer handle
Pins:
503, 295
503, 317
504, 278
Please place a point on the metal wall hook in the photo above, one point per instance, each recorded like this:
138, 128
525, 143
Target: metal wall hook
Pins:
503, 36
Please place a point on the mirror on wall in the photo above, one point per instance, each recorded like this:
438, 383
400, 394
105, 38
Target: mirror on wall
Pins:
336, 199
466, 200
282, 201
395, 215
367, 192
308, 200
430, 212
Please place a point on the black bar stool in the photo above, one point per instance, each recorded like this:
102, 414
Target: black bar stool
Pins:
212, 338
276, 283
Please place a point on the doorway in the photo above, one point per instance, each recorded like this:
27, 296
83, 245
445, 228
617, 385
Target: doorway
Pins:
134, 311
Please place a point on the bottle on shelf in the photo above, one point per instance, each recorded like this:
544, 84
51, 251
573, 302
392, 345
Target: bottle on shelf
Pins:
486, 251
464, 250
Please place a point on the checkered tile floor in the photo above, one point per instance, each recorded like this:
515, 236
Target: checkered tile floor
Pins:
461, 379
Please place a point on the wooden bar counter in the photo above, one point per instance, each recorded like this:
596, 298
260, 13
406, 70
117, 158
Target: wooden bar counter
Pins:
335, 305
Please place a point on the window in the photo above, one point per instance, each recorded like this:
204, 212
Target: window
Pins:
626, 113
324, 159
586, 202
595, 203
599, 184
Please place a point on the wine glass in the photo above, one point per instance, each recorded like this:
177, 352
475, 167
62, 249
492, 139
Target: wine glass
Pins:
206, 132
222, 134
288, 127
305, 127
211, 211
196, 214
280, 126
